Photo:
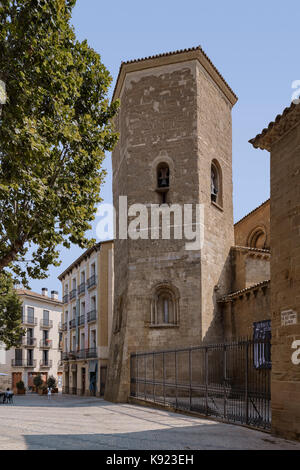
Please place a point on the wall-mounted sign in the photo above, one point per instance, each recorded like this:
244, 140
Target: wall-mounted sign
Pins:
289, 317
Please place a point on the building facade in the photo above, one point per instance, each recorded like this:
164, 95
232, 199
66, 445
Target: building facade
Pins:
282, 139
87, 286
40, 350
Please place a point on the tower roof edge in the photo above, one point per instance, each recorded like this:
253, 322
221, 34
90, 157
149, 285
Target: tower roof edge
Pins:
183, 55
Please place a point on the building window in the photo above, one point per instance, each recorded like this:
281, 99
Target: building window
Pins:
163, 175
216, 184
30, 314
164, 305
93, 269
262, 344
46, 317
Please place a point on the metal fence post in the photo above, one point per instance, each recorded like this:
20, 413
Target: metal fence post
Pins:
246, 383
224, 381
164, 378
153, 375
190, 376
137, 375
206, 380
176, 379
145, 381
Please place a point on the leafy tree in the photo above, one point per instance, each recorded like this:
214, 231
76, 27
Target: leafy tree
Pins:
55, 127
20, 385
10, 312
51, 382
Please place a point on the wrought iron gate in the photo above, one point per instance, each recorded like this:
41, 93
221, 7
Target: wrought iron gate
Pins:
230, 381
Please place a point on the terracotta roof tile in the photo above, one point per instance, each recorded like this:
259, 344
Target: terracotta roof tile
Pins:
171, 53
277, 128
231, 296
38, 296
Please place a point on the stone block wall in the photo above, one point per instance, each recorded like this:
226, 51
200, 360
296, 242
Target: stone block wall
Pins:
285, 282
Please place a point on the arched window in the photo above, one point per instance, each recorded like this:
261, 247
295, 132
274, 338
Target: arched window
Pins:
164, 305
257, 238
216, 192
163, 175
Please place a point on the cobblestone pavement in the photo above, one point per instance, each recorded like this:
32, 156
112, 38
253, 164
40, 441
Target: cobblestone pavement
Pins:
70, 422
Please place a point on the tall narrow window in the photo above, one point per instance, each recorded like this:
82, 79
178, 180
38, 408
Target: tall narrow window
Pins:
163, 181
163, 175
30, 314
46, 320
93, 269
216, 184
166, 310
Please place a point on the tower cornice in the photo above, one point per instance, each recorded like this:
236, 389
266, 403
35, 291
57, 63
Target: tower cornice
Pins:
168, 58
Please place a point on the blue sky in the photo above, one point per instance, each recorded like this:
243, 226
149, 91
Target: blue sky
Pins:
255, 46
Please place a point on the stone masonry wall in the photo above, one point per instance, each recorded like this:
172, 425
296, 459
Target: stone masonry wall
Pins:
260, 217
248, 267
241, 312
285, 282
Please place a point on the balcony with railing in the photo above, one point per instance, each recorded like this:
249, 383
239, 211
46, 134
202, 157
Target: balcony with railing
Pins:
65, 326
72, 294
91, 352
23, 362
81, 320
60, 365
28, 342
72, 323
28, 320
72, 355
81, 354
92, 315
92, 281
65, 355
81, 288
65, 298
46, 323
46, 343
87, 353
46, 363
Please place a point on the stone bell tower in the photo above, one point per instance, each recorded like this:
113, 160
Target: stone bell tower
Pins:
175, 148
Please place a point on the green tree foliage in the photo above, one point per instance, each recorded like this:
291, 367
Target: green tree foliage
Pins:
38, 381
54, 130
10, 312
51, 382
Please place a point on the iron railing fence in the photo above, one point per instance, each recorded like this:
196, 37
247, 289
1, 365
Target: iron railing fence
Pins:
230, 381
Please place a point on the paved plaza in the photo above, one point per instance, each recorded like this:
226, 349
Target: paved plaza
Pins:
87, 423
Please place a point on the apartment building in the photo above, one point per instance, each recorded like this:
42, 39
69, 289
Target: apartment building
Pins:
40, 349
87, 286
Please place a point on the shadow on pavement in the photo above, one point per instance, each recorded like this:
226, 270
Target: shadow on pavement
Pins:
177, 438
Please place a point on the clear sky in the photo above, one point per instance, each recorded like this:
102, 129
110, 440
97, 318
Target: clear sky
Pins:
255, 46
